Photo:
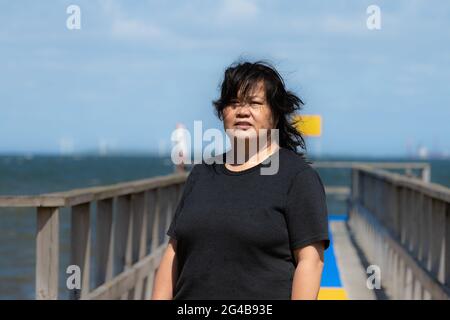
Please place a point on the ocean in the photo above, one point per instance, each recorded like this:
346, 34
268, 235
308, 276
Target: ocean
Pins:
30, 175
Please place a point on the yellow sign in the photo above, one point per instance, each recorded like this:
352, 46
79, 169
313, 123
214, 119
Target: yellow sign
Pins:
309, 125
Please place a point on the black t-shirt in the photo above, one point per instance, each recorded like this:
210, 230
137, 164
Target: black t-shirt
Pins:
235, 231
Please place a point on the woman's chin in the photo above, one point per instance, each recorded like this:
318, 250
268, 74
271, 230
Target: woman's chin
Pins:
239, 133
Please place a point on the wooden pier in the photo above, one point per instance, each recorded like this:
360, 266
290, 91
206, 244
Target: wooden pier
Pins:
399, 222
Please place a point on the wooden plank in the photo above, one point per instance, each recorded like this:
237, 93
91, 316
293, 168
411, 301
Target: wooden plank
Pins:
81, 247
104, 241
428, 243
121, 189
125, 281
383, 165
438, 238
47, 253
139, 237
123, 238
402, 215
338, 190
420, 214
121, 231
31, 201
447, 245
156, 220
169, 211
426, 174
139, 228
84, 195
151, 212
153, 221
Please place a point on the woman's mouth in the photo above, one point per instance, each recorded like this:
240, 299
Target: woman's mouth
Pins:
244, 125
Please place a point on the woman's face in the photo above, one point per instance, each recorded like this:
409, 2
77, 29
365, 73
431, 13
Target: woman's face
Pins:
244, 119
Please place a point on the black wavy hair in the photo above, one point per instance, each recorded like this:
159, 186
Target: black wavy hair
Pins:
243, 77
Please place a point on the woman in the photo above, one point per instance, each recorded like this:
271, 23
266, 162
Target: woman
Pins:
238, 233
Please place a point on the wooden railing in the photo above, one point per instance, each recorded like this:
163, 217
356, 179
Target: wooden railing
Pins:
131, 220
403, 226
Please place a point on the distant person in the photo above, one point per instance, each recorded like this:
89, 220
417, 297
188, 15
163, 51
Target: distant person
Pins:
238, 233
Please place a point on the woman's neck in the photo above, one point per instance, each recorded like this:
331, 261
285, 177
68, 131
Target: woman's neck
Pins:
251, 159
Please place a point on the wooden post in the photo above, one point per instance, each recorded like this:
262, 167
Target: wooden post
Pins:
447, 246
121, 230
105, 241
156, 220
426, 173
81, 246
139, 236
153, 220
47, 253
124, 236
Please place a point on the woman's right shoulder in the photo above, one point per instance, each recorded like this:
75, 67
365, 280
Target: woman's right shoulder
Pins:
202, 167
207, 166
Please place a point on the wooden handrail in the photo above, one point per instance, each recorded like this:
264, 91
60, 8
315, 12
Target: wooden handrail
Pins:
434, 190
402, 224
84, 195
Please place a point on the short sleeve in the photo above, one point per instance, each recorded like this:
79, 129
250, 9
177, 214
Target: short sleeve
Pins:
187, 189
306, 210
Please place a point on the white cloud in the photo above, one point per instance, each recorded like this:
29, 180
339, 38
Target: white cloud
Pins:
237, 10
131, 28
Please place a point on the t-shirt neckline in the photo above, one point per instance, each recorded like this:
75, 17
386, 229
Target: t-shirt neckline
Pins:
229, 172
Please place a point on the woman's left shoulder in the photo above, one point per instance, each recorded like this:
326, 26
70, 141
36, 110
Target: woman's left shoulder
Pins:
294, 163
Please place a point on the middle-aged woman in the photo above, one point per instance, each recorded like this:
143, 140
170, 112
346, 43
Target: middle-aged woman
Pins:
238, 233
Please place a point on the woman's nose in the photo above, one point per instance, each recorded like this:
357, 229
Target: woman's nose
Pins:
243, 110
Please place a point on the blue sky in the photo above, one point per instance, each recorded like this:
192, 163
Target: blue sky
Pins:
136, 68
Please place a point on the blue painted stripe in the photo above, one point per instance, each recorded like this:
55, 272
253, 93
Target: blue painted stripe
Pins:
330, 274
337, 217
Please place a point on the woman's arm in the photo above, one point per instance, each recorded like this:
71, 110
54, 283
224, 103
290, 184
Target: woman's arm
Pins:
308, 273
166, 276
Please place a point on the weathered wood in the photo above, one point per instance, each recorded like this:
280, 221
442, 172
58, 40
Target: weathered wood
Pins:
81, 247
123, 235
85, 195
381, 165
338, 190
152, 222
447, 246
47, 253
105, 241
31, 201
139, 237
121, 222
433, 190
401, 258
156, 220
124, 282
